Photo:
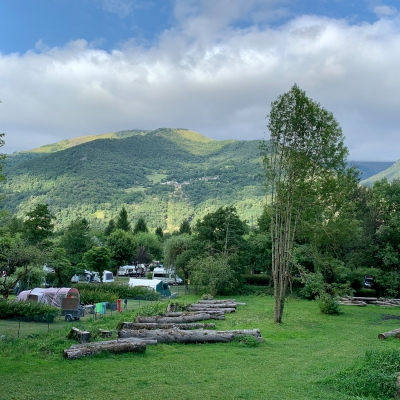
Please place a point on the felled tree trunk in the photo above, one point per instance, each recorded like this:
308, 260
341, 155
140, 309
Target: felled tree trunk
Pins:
206, 310
112, 346
385, 335
176, 335
150, 326
214, 306
176, 320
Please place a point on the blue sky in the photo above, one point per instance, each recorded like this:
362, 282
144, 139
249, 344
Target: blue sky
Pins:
75, 67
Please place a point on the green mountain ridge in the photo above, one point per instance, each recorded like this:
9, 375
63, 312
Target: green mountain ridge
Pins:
164, 176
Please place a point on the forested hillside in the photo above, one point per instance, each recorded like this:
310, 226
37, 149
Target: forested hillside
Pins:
165, 176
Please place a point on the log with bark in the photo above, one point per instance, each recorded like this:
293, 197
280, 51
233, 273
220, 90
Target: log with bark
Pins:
178, 320
112, 346
220, 302
213, 306
150, 326
176, 335
206, 310
353, 303
179, 314
80, 336
387, 334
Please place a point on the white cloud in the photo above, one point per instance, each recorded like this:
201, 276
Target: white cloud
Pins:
383, 11
210, 77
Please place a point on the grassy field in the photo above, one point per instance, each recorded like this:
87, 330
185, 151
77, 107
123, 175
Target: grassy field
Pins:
291, 364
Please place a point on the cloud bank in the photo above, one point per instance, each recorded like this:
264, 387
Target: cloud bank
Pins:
210, 75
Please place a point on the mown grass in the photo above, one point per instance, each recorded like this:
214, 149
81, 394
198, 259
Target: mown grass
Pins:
295, 361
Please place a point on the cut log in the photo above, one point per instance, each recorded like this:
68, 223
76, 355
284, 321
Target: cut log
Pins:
112, 346
212, 306
105, 334
150, 326
176, 335
387, 334
80, 336
350, 303
177, 320
206, 310
213, 314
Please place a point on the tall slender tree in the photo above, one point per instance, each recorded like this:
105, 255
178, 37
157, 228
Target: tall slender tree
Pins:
304, 160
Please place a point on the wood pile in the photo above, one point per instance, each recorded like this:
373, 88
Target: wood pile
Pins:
363, 301
172, 327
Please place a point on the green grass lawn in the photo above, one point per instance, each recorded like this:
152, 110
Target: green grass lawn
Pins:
295, 357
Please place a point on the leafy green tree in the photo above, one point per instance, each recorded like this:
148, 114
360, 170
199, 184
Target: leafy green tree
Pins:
140, 226
185, 227
63, 270
221, 231
303, 160
151, 243
122, 221
110, 228
178, 251
38, 225
2, 157
98, 259
212, 274
122, 246
17, 259
76, 240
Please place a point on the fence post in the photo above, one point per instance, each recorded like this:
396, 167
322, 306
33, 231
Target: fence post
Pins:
19, 326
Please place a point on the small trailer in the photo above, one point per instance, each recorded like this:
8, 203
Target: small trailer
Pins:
71, 309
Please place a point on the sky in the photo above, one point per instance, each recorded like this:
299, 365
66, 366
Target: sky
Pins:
71, 68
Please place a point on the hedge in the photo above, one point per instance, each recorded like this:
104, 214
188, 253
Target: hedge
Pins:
256, 279
28, 309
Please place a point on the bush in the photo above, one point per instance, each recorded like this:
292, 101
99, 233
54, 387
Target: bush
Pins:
38, 312
329, 304
120, 291
374, 376
251, 290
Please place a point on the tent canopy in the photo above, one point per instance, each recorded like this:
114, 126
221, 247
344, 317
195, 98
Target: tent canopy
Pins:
51, 296
156, 284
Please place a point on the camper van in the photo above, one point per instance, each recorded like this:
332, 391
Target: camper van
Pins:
167, 276
92, 277
132, 270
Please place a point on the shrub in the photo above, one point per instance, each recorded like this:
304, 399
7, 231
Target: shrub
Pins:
329, 304
28, 309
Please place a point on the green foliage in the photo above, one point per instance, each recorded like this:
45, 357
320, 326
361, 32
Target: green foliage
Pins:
159, 232
119, 291
122, 247
89, 296
213, 275
373, 376
122, 221
140, 226
28, 309
185, 227
97, 259
38, 226
329, 304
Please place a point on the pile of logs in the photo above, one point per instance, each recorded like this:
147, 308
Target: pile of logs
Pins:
172, 327
363, 301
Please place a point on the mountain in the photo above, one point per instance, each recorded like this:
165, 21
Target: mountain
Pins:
371, 168
392, 172
164, 176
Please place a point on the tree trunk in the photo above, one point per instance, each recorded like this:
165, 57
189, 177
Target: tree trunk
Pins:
213, 314
217, 301
176, 335
385, 335
216, 306
177, 320
206, 310
112, 346
150, 326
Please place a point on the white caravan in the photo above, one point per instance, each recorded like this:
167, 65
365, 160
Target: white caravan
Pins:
167, 276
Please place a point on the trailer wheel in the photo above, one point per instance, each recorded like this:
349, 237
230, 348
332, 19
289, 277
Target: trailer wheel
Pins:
68, 317
76, 318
